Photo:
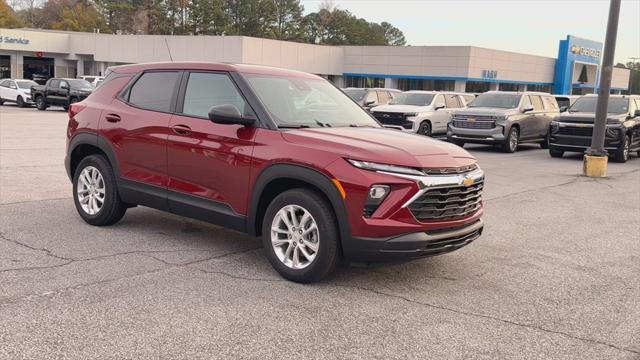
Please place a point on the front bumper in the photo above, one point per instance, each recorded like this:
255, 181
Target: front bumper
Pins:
414, 245
480, 136
578, 143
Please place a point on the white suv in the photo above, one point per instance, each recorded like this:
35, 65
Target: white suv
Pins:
16, 91
423, 112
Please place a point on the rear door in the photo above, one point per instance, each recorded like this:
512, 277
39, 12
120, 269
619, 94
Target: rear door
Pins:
539, 117
136, 124
209, 164
5, 91
52, 91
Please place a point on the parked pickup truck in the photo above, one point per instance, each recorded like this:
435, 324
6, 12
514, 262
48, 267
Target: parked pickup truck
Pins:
60, 92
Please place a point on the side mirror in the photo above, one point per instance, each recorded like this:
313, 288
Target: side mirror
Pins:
439, 106
64, 86
370, 103
563, 108
13, 87
527, 109
636, 113
229, 114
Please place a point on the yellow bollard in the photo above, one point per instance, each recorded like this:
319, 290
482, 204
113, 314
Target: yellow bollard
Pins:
595, 166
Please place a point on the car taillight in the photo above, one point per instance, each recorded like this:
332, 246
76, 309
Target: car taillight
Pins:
75, 108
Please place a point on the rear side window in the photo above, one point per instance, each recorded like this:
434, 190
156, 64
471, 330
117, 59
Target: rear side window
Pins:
4, 83
452, 101
550, 103
537, 103
205, 90
154, 90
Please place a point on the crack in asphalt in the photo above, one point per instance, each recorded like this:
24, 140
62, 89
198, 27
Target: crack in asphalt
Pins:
506, 321
31, 201
46, 251
576, 178
170, 266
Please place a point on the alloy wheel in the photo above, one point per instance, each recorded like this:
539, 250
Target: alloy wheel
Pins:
625, 150
295, 237
91, 190
513, 139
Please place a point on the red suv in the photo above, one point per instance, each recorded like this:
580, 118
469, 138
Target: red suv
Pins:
275, 153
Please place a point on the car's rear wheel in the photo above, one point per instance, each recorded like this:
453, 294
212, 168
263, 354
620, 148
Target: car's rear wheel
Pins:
622, 155
459, 143
40, 104
511, 142
425, 128
545, 143
95, 193
556, 153
300, 236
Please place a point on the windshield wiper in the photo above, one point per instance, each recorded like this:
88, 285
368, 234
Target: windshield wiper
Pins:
361, 126
293, 126
321, 124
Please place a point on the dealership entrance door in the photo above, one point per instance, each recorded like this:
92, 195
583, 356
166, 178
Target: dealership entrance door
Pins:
5, 66
38, 69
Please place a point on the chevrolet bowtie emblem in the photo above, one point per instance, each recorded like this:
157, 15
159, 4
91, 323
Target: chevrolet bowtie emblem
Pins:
468, 181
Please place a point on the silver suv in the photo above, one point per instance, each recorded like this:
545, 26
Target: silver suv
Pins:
371, 97
505, 119
423, 112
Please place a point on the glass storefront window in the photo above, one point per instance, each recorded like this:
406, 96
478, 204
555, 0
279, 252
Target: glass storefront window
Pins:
363, 82
477, 86
426, 84
5, 67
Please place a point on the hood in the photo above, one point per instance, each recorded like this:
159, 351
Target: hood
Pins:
400, 108
487, 111
588, 117
382, 145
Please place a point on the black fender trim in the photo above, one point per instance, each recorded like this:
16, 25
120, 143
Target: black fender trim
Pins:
305, 174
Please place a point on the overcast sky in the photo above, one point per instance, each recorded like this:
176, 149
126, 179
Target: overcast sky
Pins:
526, 26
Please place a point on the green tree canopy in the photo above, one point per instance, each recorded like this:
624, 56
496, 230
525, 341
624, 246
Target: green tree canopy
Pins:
8, 18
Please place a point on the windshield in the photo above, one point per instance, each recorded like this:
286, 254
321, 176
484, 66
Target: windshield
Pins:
503, 101
588, 104
355, 94
26, 84
306, 102
80, 84
413, 99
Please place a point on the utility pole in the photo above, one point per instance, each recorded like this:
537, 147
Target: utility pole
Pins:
595, 158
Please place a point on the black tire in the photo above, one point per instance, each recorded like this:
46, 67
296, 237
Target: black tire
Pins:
622, 155
555, 153
545, 143
20, 101
328, 254
40, 103
1, 102
424, 128
459, 143
113, 209
66, 107
511, 142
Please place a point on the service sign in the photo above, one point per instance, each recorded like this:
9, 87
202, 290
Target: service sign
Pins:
13, 40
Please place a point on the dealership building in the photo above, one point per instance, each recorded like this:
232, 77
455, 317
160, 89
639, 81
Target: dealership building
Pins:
41, 54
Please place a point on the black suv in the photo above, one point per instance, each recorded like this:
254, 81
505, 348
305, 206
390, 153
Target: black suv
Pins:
60, 92
572, 130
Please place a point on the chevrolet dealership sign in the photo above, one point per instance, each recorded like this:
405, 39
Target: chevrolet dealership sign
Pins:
585, 51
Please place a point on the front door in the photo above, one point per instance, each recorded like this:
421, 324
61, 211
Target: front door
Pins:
209, 164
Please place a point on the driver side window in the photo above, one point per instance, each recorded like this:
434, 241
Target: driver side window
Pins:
205, 90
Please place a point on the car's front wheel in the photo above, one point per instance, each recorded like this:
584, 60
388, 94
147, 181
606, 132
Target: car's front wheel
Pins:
95, 193
40, 103
300, 236
554, 153
425, 128
622, 155
511, 142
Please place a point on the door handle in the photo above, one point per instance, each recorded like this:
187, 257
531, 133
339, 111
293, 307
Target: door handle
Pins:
181, 129
112, 118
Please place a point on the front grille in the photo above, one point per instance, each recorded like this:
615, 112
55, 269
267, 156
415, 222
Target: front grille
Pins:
449, 171
393, 119
466, 124
474, 117
575, 131
450, 203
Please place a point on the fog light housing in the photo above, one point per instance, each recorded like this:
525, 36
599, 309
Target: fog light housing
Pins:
375, 197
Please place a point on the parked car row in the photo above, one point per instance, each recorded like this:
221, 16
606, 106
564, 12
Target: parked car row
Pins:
507, 119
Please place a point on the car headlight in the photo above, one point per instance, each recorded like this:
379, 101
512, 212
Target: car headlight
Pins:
367, 165
500, 120
411, 114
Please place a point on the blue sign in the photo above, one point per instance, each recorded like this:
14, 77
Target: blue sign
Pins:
13, 40
574, 50
489, 74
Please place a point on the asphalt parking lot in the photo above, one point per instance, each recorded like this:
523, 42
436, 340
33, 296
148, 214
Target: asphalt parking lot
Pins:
556, 275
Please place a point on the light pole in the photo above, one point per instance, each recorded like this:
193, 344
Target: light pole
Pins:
595, 158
